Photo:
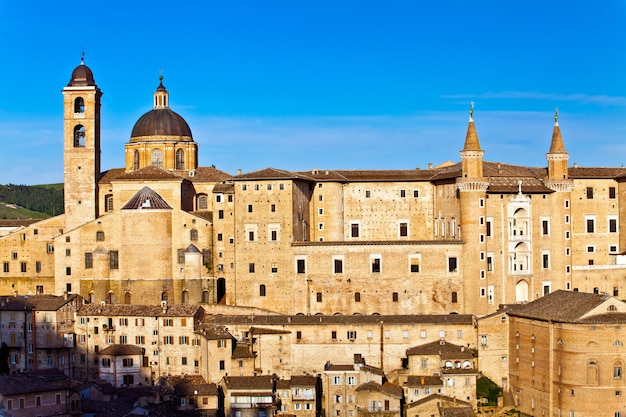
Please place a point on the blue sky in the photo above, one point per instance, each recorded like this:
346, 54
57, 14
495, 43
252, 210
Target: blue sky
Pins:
321, 84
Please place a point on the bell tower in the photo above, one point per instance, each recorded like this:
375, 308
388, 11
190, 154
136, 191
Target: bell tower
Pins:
81, 146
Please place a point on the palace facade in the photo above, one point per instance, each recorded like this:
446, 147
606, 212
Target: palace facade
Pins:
457, 238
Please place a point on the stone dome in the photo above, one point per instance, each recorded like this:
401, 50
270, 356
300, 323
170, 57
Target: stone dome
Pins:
82, 76
161, 124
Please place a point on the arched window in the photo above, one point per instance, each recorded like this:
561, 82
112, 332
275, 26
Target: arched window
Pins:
262, 290
109, 203
79, 105
136, 160
193, 234
157, 158
164, 295
79, 136
127, 297
521, 291
205, 296
185, 297
180, 159
454, 297
111, 298
203, 202
221, 289
92, 297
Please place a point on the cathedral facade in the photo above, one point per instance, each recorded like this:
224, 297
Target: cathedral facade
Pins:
457, 238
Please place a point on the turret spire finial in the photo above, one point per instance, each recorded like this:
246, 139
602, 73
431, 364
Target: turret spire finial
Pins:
82, 55
556, 116
471, 111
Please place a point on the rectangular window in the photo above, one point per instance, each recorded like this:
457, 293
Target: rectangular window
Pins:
127, 362
376, 264
612, 225
394, 297
114, 260
251, 267
23, 266
249, 208
274, 235
354, 230
488, 232
5, 266
140, 340
589, 192
88, 260
403, 193
336, 380
220, 214
318, 297
38, 267
351, 334
68, 270
273, 208
452, 264
404, 229
545, 227
300, 266
489, 263
333, 335
611, 192
545, 261
591, 225
415, 265
338, 266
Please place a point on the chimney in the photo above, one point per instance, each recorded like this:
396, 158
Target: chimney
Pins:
238, 171
430, 165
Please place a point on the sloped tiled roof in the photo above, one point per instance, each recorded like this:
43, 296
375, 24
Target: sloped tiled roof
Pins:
154, 173
314, 320
263, 382
595, 172
424, 381
121, 350
444, 349
387, 388
146, 199
261, 330
567, 307
130, 310
214, 332
271, 174
242, 351
41, 302
371, 175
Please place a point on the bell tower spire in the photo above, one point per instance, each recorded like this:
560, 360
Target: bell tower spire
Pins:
81, 146
557, 157
472, 155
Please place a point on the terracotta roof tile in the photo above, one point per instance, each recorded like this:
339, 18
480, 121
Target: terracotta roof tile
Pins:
264, 382
121, 350
130, 310
387, 388
445, 350
271, 174
424, 381
564, 306
41, 302
301, 319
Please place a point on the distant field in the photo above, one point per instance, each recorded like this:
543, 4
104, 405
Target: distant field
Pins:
10, 211
31, 201
58, 187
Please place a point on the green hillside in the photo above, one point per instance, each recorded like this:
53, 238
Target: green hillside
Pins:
30, 201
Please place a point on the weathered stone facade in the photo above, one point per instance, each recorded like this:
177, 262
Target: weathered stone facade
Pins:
460, 238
